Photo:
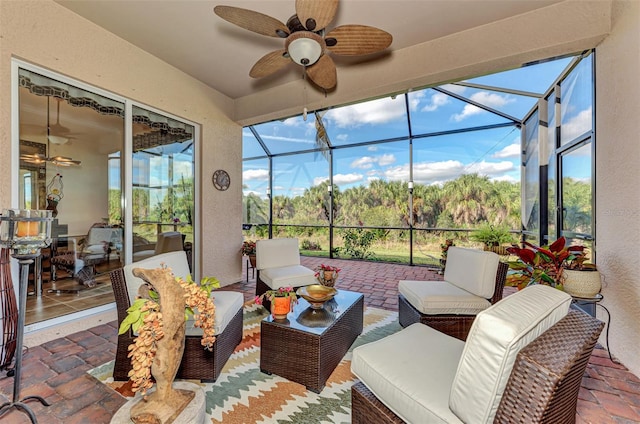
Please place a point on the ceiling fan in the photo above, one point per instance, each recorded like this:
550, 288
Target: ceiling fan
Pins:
39, 158
58, 133
306, 42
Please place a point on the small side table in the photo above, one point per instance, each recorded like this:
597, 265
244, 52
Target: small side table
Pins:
589, 305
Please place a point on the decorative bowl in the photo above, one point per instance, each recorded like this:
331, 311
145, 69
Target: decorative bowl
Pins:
316, 294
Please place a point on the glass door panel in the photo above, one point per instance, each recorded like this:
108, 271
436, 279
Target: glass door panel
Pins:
67, 138
163, 181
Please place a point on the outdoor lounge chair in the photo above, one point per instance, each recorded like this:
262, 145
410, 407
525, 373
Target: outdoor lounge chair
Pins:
523, 362
197, 363
473, 281
278, 265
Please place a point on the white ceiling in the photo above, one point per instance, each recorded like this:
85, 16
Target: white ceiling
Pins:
188, 35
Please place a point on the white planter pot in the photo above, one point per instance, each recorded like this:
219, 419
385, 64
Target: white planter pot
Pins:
584, 284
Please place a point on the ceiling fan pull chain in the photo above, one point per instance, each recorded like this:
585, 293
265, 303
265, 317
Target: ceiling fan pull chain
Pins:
304, 93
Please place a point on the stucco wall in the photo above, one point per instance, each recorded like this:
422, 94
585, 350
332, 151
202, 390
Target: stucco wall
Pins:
618, 179
46, 34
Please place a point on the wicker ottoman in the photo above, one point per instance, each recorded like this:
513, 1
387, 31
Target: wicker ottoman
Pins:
308, 346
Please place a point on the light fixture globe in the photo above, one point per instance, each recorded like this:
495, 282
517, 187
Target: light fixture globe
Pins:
304, 47
58, 140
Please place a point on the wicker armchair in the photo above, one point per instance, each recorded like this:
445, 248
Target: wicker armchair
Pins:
278, 265
541, 380
456, 324
197, 363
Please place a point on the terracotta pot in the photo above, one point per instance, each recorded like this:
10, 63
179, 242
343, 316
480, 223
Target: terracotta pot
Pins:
280, 307
585, 284
252, 260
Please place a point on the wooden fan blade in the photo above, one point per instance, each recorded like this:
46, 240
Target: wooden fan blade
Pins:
269, 63
357, 39
253, 21
316, 14
323, 72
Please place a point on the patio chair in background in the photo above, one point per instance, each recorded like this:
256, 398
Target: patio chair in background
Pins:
278, 265
473, 281
197, 363
170, 241
523, 362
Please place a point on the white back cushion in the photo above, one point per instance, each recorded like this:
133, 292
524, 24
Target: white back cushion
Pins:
472, 270
497, 335
275, 253
177, 261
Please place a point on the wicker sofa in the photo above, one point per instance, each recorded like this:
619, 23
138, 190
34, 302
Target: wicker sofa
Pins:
473, 281
523, 362
197, 363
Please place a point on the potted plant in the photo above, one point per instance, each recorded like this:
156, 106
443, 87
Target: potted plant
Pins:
327, 274
543, 264
281, 300
581, 279
444, 248
492, 236
249, 249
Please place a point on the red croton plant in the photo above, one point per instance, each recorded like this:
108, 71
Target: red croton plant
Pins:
544, 264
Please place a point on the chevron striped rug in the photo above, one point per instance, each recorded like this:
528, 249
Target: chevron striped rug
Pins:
242, 394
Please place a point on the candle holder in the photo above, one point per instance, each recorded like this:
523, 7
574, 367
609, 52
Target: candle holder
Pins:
24, 233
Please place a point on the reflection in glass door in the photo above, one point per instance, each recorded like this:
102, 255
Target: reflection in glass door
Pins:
163, 185
67, 137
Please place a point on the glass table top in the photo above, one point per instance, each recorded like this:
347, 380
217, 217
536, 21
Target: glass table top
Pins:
317, 321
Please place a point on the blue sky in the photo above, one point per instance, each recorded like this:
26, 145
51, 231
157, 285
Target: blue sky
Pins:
437, 159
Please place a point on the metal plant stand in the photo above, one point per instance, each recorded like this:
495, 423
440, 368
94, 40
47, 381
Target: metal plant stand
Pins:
8, 312
25, 233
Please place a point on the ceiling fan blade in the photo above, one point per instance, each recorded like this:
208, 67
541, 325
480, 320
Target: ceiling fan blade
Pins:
323, 72
253, 21
357, 39
316, 14
270, 63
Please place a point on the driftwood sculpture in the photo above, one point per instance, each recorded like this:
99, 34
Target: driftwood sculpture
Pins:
165, 404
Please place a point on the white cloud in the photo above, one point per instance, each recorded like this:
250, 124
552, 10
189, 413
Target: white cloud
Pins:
319, 180
437, 99
366, 162
454, 88
577, 125
376, 112
342, 137
490, 168
386, 159
372, 148
255, 174
430, 173
510, 151
340, 179
492, 100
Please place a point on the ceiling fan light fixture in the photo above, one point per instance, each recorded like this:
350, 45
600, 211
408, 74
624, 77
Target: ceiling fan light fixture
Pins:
55, 139
304, 48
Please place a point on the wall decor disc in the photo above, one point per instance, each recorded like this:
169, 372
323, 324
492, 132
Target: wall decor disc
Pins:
221, 180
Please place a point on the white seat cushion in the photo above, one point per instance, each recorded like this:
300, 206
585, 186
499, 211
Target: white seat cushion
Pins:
472, 270
294, 276
227, 303
177, 261
440, 297
496, 336
411, 372
277, 253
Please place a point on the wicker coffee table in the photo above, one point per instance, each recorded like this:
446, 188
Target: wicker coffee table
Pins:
309, 344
